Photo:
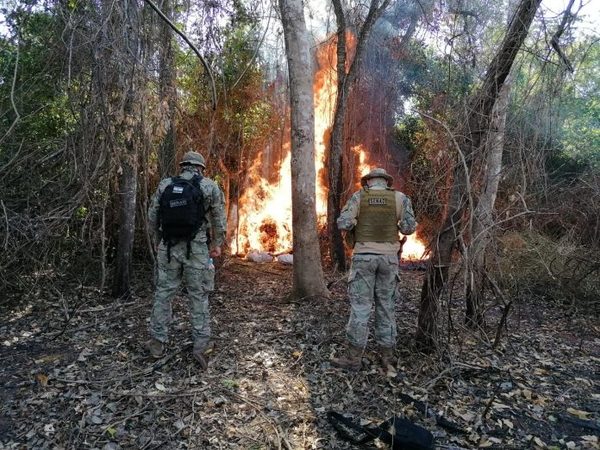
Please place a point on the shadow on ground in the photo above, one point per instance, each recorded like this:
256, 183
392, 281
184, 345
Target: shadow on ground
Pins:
75, 376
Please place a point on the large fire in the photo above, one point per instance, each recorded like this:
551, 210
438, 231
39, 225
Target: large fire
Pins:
265, 207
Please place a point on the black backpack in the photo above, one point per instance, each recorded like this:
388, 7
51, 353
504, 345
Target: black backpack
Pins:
181, 211
399, 433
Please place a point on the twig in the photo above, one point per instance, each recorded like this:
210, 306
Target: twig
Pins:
251, 402
463, 158
434, 381
5, 167
502, 324
12, 100
124, 419
188, 393
254, 55
489, 403
6, 219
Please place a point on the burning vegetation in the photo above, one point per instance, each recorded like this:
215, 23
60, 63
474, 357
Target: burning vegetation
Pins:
265, 207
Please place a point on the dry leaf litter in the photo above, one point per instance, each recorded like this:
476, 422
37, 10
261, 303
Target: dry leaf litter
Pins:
74, 374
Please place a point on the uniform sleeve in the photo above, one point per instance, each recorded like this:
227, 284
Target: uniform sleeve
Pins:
407, 223
347, 219
217, 217
153, 224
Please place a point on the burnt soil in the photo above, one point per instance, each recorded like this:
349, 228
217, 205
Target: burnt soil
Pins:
73, 372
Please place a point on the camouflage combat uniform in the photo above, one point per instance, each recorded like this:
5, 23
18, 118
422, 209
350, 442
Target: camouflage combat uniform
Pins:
196, 271
373, 273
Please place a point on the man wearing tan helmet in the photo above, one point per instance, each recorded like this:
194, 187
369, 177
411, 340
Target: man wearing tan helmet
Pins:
373, 216
187, 216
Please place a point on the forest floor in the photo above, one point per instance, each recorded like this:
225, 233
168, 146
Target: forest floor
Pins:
73, 372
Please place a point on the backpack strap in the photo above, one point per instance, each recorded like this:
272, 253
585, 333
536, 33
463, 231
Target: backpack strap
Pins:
195, 181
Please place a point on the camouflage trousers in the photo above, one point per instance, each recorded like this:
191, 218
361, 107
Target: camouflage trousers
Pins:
199, 280
372, 279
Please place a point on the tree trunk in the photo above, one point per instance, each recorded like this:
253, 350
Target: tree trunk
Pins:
336, 143
483, 215
308, 272
167, 93
125, 75
468, 140
127, 199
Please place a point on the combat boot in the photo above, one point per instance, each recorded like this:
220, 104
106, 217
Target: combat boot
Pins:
155, 348
352, 360
201, 353
387, 357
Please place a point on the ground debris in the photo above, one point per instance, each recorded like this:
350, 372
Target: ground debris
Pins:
74, 373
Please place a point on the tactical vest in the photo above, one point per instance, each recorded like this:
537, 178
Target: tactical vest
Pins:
377, 221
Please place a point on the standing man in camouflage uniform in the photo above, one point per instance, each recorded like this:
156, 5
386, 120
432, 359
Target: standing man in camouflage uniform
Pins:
189, 260
373, 216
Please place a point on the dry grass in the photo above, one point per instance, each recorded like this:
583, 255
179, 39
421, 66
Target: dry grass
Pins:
560, 270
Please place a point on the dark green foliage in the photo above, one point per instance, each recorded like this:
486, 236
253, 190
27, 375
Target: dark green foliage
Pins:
39, 87
408, 132
561, 165
579, 109
245, 114
32, 144
425, 185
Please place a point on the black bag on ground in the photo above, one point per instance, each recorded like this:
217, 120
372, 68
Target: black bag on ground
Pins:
181, 210
404, 434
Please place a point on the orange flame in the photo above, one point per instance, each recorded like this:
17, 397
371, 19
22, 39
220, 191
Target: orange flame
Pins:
265, 211
413, 249
265, 208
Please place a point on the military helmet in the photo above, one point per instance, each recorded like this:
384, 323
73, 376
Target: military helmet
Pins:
377, 173
193, 158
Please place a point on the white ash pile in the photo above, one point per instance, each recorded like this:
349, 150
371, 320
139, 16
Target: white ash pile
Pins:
258, 256
286, 258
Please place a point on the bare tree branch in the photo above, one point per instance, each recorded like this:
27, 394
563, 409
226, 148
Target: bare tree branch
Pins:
6, 219
262, 39
12, 99
463, 158
567, 18
193, 47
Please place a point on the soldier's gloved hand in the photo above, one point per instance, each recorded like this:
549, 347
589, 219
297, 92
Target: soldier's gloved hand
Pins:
215, 252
